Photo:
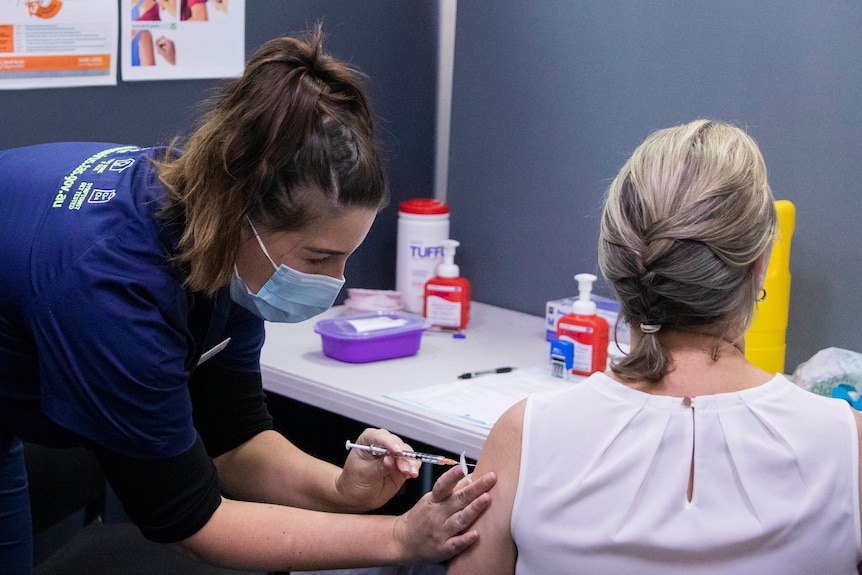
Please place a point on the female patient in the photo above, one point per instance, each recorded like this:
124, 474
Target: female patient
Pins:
683, 458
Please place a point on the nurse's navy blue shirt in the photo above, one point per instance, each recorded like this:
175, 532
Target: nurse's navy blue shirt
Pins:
100, 340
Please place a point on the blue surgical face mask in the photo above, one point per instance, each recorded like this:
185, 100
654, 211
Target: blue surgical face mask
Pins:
289, 295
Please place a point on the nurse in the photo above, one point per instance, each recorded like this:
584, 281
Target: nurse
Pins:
123, 266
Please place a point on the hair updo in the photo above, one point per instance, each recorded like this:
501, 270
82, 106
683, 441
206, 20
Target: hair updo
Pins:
286, 144
683, 224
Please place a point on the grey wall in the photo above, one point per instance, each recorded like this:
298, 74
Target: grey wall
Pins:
393, 42
551, 97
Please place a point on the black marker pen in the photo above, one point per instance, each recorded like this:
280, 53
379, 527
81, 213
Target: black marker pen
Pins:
472, 374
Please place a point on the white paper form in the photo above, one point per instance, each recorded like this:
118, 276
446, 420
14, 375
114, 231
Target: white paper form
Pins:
54, 44
481, 401
182, 39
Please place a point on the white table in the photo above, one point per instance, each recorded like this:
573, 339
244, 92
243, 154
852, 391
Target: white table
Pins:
293, 365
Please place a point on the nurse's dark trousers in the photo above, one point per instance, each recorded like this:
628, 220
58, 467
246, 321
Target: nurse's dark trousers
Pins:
16, 539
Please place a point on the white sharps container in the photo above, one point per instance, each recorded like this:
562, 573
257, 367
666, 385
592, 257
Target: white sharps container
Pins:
423, 224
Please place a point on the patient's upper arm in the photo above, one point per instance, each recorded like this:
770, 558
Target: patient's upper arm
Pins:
495, 551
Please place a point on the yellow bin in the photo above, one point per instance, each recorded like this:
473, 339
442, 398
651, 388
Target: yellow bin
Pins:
765, 340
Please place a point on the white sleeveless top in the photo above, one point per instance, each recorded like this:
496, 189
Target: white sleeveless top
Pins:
605, 471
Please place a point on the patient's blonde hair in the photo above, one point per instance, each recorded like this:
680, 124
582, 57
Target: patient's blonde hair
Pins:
683, 224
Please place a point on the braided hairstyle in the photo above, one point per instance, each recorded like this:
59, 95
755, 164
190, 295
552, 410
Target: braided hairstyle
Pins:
683, 225
289, 142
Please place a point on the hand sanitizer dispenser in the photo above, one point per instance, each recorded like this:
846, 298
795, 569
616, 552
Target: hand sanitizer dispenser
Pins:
447, 295
586, 330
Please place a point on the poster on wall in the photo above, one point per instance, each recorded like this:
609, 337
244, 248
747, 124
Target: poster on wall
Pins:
182, 39
58, 43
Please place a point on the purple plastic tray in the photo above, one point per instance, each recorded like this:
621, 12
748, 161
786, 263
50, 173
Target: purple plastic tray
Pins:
371, 336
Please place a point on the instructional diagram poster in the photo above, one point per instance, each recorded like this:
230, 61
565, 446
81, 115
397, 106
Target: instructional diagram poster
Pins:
174, 39
58, 43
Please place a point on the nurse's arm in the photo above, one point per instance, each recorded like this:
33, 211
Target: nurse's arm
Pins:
278, 538
270, 468
262, 536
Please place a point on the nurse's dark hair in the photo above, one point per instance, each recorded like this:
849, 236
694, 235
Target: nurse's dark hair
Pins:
683, 226
288, 143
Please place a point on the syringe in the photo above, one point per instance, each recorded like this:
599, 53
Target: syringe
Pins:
380, 450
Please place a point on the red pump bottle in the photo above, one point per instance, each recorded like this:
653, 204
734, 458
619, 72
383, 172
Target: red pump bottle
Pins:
447, 295
586, 330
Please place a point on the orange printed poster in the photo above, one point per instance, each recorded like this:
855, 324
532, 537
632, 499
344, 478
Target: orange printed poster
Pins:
58, 43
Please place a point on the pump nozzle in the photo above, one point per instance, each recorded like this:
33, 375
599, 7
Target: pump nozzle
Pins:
583, 305
448, 268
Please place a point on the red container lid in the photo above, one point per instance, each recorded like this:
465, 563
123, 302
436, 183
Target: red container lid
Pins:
424, 206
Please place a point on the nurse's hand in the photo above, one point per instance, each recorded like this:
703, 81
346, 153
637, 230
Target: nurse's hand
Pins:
367, 481
437, 527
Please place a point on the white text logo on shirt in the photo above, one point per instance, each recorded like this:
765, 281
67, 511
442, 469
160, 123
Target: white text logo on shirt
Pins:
100, 196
